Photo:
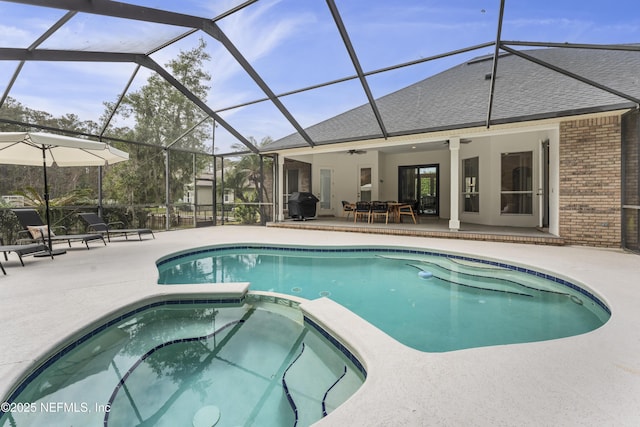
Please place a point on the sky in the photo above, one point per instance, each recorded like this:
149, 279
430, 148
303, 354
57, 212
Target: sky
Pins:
292, 44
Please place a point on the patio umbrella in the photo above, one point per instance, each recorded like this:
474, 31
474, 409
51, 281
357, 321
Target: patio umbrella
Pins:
37, 148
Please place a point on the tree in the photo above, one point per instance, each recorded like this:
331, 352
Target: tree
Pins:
250, 165
62, 181
161, 115
236, 180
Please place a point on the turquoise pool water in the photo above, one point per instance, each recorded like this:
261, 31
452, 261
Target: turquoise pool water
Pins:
466, 302
164, 366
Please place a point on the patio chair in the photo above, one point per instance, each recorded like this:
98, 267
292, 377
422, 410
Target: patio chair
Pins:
347, 208
379, 209
96, 224
36, 229
21, 250
362, 209
406, 210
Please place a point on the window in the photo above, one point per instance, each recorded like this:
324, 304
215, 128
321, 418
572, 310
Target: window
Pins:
325, 188
471, 184
516, 196
292, 181
366, 184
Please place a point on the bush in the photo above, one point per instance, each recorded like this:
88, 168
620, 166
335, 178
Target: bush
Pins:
246, 214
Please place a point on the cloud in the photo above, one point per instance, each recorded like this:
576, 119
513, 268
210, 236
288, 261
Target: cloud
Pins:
255, 32
15, 37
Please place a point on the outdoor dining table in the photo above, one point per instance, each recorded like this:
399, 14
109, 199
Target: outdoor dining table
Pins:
393, 207
394, 210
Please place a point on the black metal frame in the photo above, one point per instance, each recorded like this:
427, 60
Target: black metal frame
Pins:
209, 26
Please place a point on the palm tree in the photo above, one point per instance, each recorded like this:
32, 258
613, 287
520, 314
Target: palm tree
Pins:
251, 165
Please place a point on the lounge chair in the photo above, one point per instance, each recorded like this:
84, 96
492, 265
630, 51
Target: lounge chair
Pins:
21, 250
96, 224
31, 223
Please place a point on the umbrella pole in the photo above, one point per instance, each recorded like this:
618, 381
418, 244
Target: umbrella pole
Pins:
100, 191
46, 197
46, 204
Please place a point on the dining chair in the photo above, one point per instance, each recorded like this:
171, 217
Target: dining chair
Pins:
363, 209
379, 209
406, 209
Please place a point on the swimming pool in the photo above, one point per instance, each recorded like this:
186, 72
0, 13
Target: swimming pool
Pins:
426, 300
169, 363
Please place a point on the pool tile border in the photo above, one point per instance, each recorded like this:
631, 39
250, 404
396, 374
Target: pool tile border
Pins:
337, 344
525, 270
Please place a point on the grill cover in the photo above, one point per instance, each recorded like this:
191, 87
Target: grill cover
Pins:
302, 205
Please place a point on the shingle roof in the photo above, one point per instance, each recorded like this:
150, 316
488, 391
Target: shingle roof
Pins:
458, 97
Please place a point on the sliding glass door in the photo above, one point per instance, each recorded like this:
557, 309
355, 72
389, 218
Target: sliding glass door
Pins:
419, 186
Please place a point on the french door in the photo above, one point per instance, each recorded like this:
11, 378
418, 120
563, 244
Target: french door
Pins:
365, 184
326, 192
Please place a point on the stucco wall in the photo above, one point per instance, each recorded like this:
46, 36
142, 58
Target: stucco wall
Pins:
590, 181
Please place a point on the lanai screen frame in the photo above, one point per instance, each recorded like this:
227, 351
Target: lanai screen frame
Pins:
209, 27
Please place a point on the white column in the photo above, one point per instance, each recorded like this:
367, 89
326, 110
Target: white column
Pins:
280, 192
454, 155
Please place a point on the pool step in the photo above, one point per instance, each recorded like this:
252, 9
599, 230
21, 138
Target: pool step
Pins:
317, 382
477, 278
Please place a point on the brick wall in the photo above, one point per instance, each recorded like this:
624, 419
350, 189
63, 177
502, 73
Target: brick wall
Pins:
590, 181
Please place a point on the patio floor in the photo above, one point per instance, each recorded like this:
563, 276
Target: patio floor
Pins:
587, 380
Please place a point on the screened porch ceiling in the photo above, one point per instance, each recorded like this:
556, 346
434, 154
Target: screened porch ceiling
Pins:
277, 67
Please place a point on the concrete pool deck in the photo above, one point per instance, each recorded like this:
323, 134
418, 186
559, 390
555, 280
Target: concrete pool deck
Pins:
588, 380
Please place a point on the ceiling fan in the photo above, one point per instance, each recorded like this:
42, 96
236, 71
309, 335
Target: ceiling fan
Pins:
354, 151
462, 141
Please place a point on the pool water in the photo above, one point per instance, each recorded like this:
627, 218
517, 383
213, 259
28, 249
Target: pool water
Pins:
427, 301
162, 366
